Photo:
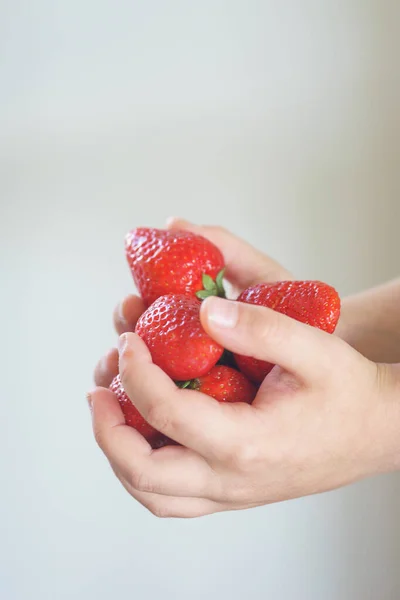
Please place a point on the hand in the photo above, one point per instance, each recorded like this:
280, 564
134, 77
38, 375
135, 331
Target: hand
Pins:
245, 266
325, 417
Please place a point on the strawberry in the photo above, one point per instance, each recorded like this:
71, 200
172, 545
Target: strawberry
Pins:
133, 418
178, 344
173, 262
224, 384
311, 302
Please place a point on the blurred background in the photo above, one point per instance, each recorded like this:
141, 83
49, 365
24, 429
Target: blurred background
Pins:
279, 120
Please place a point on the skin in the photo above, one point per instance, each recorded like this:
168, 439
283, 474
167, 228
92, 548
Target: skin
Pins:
326, 416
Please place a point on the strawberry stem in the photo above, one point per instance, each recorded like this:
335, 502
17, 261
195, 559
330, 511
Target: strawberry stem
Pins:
183, 384
211, 287
191, 384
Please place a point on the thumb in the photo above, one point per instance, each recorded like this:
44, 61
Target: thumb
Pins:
267, 335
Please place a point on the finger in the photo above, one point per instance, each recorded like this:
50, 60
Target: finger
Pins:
245, 265
192, 419
109, 422
127, 313
267, 335
172, 506
106, 369
170, 471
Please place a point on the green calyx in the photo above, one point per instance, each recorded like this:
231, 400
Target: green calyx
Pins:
191, 384
211, 287
227, 359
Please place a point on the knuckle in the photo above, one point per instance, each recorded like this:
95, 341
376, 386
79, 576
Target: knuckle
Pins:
117, 313
125, 367
335, 353
157, 417
268, 325
217, 229
260, 324
243, 456
99, 436
235, 492
100, 369
223, 231
250, 454
140, 481
159, 510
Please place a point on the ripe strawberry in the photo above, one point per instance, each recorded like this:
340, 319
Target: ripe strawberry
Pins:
133, 418
311, 302
224, 384
172, 262
178, 344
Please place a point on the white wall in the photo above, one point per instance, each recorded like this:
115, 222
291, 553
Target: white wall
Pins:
277, 119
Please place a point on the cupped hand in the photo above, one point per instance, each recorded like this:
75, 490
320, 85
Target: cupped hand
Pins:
325, 417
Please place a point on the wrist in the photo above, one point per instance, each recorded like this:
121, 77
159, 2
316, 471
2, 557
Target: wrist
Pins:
387, 439
362, 328
348, 327
370, 323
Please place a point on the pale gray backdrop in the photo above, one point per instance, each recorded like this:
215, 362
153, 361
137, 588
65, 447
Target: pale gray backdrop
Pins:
278, 120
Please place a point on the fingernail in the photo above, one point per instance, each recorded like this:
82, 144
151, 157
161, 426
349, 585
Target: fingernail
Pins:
177, 220
101, 367
89, 400
122, 343
222, 313
120, 313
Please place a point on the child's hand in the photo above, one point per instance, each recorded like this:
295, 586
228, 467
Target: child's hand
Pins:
325, 417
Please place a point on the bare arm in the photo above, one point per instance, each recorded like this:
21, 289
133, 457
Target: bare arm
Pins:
370, 322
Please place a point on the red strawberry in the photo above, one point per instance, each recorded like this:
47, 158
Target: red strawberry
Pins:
225, 385
178, 344
311, 302
133, 418
171, 262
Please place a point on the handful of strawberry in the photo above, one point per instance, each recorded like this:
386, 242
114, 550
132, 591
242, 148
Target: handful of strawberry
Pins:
174, 271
